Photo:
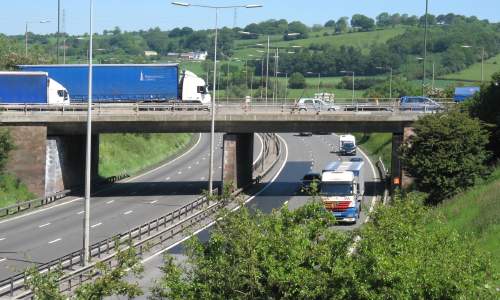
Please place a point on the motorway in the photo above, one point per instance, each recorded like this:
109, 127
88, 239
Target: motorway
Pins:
301, 155
40, 236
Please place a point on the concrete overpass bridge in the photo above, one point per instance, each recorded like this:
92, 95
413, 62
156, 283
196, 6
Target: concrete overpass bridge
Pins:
49, 154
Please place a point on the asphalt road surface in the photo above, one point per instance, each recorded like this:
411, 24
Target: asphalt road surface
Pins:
302, 155
43, 235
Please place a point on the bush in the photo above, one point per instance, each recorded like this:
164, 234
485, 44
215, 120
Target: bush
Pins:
297, 81
446, 154
6, 145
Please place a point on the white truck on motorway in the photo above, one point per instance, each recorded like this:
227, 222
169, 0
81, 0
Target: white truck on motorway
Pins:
347, 144
342, 189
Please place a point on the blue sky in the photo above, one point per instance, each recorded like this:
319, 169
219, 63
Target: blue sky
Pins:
143, 14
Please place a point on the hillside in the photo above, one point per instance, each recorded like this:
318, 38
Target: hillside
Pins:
473, 72
476, 212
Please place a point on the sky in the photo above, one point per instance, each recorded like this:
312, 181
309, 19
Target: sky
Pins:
144, 14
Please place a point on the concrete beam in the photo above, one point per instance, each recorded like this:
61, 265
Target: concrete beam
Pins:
237, 158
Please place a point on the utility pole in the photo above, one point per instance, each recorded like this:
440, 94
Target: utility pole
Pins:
267, 67
58, 28
425, 44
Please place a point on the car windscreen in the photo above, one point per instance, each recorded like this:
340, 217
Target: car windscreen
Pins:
337, 189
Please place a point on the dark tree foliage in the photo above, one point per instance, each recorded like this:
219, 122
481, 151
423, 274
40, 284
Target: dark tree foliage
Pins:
297, 81
363, 22
330, 23
446, 154
6, 145
486, 107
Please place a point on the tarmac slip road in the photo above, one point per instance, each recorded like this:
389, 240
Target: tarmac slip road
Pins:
302, 155
46, 234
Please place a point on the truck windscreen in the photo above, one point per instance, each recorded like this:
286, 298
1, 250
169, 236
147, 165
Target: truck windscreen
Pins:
348, 145
342, 189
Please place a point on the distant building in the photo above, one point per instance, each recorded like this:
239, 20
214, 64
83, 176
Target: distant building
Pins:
150, 53
196, 55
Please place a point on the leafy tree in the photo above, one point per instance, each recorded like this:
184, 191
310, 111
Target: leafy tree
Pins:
395, 19
446, 154
341, 26
363, 22
44, 286
384, 19
400, 87
296, 27
6, 145
431, 20
405, 253
486, 107
197, 41
297, 81
330, 23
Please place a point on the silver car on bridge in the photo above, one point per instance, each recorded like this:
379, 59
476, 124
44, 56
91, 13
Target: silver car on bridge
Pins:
314, 104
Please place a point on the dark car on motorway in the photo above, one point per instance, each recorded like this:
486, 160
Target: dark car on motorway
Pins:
419, 103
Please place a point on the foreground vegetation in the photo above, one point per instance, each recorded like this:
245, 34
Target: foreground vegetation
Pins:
130, 153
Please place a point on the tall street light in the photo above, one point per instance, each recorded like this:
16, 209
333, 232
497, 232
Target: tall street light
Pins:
88, 157
351, 72
212, 123
425, 44
390, 80
26, 34
482, 59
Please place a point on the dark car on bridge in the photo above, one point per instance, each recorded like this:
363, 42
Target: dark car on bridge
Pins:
418, 103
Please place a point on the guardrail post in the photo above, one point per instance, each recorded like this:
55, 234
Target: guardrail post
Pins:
82, 262
149, 229
12, 286
140, 232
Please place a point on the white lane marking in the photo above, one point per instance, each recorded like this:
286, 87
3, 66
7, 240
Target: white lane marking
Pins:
179, 173
167, 179
153, 202
189, 167
110, 201
261, 149
128, 180
213, 222
202, 178
220, 167
197, 163
128, 212
55, 241
2, 259
80, 212
1, 239
96, 225
43, 225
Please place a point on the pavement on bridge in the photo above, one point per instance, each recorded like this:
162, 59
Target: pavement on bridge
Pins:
303, 155
46, 234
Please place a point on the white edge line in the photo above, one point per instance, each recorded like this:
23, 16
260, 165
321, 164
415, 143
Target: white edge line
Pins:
261, 149
95, 225
128, 212
235, 209
77, 199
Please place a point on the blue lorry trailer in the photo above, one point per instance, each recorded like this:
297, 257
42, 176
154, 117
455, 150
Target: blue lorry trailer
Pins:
116, 83
465, 92
24, 87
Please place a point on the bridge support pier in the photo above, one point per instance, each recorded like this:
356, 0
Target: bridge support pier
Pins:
49, 164
237, 169
65, 164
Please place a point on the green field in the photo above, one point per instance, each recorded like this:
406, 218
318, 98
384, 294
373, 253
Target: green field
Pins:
477, 212
491, 66
130, 153
363, 40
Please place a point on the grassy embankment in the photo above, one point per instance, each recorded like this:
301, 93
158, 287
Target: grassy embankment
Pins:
12, 190
473, 72
130, 153
376, 145
477, 212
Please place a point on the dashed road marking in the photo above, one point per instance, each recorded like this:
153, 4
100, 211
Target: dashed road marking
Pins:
179, 173
55, 241
202, 178
1, 239
110, 201
153, 202
2, 259
96, 225
128, 212
80, 212
43, 225
167, 179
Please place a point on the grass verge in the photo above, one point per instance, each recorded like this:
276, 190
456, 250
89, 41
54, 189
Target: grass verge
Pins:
12, 190
476, 212
130, 153
376, 145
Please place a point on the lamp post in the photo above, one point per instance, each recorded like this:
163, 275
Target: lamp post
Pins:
88, 157
26, 34
425, 44
212, 123
351, 72
482, 59
390, 80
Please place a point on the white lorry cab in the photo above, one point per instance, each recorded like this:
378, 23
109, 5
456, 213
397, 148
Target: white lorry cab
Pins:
342, 189
57, 94
194, 89
347, 144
